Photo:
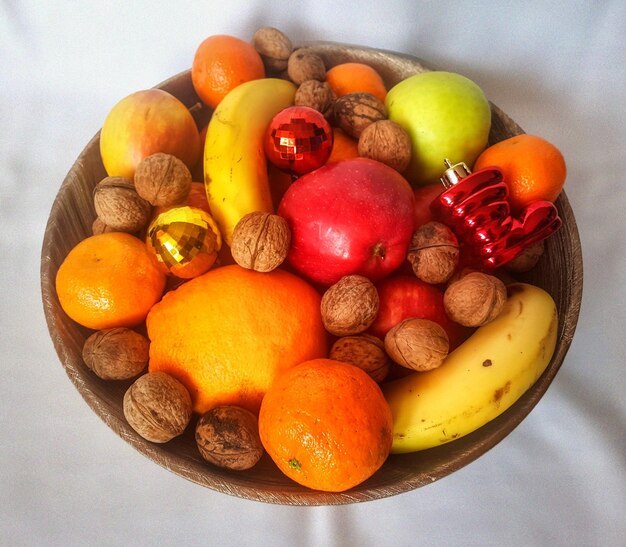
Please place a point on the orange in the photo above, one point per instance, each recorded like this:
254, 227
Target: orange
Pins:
344, 146
220, 64
197, 197
109, 280
352, 77
227, 333
326, 425
280, 181
533, 168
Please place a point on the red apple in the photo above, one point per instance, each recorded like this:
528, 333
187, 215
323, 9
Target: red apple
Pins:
354, 216
403, 296
424, 196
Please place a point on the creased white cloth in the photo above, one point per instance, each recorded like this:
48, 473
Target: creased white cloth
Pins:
556, 68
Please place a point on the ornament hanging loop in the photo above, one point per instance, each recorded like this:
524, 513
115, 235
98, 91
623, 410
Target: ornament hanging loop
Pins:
454, 173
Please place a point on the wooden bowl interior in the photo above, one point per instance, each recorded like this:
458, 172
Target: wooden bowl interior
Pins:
71, 217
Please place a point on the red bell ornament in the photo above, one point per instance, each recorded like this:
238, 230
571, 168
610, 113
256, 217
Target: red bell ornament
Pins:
476, 207
298, 140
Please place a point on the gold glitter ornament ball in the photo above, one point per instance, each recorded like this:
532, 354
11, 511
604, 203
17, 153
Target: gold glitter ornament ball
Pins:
185, 240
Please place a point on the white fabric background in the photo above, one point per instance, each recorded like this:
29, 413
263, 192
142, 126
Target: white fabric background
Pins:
559, 479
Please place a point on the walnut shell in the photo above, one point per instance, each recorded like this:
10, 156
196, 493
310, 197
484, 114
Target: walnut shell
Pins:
116, 354
350, 306
305, 65
228, 436
355, 111
364, 351
316, 95
527, 259
475, 299
157, 406
386, 141
274, 47
163, 180
119, 205
434, 252
99, 227
418, 344
261, 241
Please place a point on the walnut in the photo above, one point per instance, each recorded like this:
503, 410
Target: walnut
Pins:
350, 305
418, 344
475, 299
99, 227
386, 141
261, 241
228, 436
157, 406
274, 47
355, 111
433, 252
316, 95
458, 274
119, 205
527, 259
364, 351
116, 354
163, 180
305, 65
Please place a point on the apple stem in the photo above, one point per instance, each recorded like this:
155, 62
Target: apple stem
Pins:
379, 251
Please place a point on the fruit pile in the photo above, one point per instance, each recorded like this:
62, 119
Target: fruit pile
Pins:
320, 296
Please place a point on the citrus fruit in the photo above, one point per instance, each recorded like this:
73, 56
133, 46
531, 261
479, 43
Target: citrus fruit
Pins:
220, 64
326, 425
533, 168
280, 181
227, 333
352, 77
344, 146
109, 280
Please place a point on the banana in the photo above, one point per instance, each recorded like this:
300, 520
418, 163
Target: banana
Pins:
235, 168
480, 379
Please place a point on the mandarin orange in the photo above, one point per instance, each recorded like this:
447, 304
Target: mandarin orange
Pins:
347, 78
228, 333
109, 280
326, 425
220, 64
533, 168
344, 146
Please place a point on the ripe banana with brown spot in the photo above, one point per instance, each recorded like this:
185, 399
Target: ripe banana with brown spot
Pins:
235, 168
480, 379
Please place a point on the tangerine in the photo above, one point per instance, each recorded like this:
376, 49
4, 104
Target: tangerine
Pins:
220, 64
226, 334
109, 280
326, 425
347, 78
533, 168
344, 146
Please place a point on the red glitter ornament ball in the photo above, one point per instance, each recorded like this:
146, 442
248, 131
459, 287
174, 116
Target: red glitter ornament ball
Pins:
298, 140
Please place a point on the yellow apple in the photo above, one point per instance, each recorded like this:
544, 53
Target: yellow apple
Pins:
144, 123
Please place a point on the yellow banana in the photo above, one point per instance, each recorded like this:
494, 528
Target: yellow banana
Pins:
480, 379
235, 168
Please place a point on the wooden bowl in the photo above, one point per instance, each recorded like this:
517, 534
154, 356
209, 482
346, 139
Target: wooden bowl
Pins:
71, 217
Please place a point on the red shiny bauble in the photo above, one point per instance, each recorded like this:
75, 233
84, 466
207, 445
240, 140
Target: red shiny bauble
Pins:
298, 140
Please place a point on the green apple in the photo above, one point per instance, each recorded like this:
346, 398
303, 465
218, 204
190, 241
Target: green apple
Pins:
446, 115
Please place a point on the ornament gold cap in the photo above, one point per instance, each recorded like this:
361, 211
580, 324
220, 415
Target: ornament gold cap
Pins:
454, 173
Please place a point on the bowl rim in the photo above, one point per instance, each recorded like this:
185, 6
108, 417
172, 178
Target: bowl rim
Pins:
473, 445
